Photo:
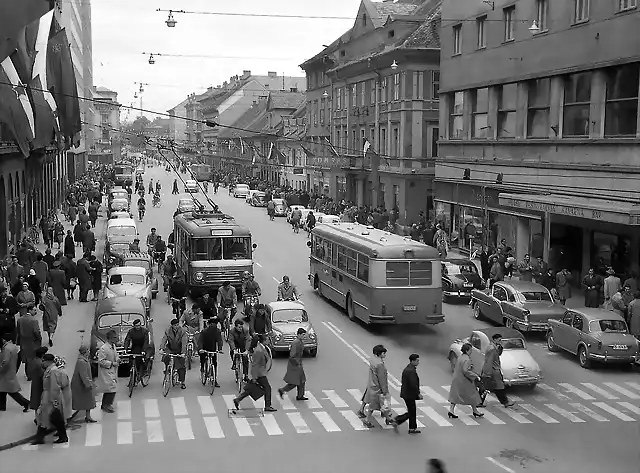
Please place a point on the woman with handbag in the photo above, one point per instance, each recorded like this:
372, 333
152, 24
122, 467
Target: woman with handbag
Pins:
377, 393
463, 385
55, 406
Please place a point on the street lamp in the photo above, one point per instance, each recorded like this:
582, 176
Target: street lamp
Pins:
325, 95
151, 59
171, 21
394, 65
534, 28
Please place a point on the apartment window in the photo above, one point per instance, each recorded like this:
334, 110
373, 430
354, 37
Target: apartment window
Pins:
315, 113
509, 14
482, 35
363, 136
363, 94
323, 106
480, 113
418, 85
581, 10
372, 92
435, 85
435, 136
354, 138
577, 102
396, 87
542, 13
383, 90
372, 135
457, 39
344, 98
364, 20
354, 96
396, 142
539, 100
396, 196
345, 150
621, 109
627, 4
456, 116
383, 141
338, 99
507, 111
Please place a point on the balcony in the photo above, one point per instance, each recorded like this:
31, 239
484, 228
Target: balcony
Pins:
392, 165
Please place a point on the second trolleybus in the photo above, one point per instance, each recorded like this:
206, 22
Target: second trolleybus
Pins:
201, 172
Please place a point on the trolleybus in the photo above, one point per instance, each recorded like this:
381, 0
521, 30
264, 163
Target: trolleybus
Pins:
202, 172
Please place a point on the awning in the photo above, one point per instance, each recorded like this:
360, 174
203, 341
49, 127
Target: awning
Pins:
581, 207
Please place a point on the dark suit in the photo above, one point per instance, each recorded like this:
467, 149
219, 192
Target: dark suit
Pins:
410, 393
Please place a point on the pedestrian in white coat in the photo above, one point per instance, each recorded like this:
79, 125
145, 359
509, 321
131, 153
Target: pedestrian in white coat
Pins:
108, 362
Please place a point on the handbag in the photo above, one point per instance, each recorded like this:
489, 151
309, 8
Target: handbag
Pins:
253, 389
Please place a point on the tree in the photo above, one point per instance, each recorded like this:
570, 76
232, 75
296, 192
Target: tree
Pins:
140, 123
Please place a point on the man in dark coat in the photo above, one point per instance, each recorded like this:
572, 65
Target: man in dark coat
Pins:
8, 310
93, 213
83, 273
29, 338
26, 256
14, 271
88, 240
48, 258
41, 268
58, 281
96, 276
591, 284
410, 393
295, 377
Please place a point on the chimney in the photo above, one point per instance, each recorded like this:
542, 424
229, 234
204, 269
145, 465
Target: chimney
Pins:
246, 74
224, 84
209, 89
272, 74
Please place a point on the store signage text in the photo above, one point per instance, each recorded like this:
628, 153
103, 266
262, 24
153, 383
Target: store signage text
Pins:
329, 162
555, 209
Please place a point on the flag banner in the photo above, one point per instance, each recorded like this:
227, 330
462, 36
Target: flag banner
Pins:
282, 159
15, 107
45, 128
14, 16
241, 145
309, 154
365, 147
270, 155
332, 148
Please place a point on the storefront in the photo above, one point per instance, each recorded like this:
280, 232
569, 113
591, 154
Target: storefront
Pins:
586, 233
474, 218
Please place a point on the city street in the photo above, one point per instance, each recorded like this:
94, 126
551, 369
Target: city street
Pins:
576, 420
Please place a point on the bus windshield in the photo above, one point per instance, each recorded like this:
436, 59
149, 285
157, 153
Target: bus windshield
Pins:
122, 232
228, 248
123, 169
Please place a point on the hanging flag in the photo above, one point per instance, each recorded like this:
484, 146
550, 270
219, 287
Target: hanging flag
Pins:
45, 128
15, 107
24, 55
14, 16
241, 145
282, 159
40, 63
332, 148
229, 144
270, 155
309, 154
365, 147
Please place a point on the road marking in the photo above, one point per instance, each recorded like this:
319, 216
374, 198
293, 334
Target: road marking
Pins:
206, 405
347, 344
500, 465
312, 403
360, 350
515, 416
228, 400
151, 409
377, 417
394, 402
124, 433
286, 403
633, 385
566, 414
354, 420
258, 403
335, 399
258, 264
183, 426
614, 412
356, 393
179, 406
335, 327
60, 445
433, 395
214, 429
622, 390
270, 424
326, 421
298, 423
94, 435
154, 431
576, 391
555, 392
631, 407
539, 414
492, 418
602, 392
124, 410
434, 416
463, 417
275, 279
243, 427
589, 412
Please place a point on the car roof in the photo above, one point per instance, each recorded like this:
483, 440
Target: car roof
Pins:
457, 261
136, 255
121, 304
523, 286
190, 181
597, 314
242, 185
121, 222
282, 305
127, 270
504, 331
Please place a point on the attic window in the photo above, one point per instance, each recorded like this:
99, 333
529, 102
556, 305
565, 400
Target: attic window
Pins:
364, 20
266, 86
293, 89
343, 53
392, 34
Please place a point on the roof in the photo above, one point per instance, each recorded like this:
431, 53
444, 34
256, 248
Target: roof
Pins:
128, 270
504, 331
286, 305
457, 260
597, 314
120, 304
204, 226
428, 33
396, 8
104, 90
121, 222
285, 100
139, 255
248, 122
522, 286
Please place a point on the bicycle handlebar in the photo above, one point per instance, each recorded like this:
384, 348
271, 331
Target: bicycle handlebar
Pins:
210, 352
173, 355
135, 355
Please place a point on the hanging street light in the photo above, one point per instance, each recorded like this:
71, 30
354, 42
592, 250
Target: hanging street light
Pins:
171, 21
394, 65
534, 28
325, 95
151, 59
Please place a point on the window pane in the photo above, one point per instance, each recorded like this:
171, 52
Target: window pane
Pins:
621, 118
458, 103
480, 125
352, 262
507, 124
508, 97
538, 124
203, 249
397, 274
455, 127
622, 82
236, 248
481, 102
577, 88
420, 273
576, 120
539, 93
334, 254
363, 268
342, 258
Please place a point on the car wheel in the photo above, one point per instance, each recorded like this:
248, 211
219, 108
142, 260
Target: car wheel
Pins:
551, 343
313, 352
477, 313
453, 359
583, 358
351, 313
317, 285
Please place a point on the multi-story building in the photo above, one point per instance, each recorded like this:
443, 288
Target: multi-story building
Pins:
107, 146
177, 124
541, 149
293, 146
378, 83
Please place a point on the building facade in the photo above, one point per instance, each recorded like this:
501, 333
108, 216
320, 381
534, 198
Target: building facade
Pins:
107, 147
542, 149
177, 125
378, 83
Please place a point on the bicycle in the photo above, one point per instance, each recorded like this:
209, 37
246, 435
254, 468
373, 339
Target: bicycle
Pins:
239, 358
208, 373
178, 306
191, 347
135, 376
226, 324
157, 202
296, 226
141, 214
170, 374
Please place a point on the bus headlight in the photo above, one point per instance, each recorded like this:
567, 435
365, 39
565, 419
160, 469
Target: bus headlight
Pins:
198, 276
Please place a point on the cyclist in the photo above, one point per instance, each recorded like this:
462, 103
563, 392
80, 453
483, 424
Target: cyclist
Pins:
159, 250
208, 307
178, 290
216, 186
156, 197
296, 216
287, 291
227, 297
250, 286
311, 221
135, 246
151, 240
193, 322
137, 343
211, 340
271, 210
239, 342
142, 205
158, 187
260, 321
168, 272
174, 342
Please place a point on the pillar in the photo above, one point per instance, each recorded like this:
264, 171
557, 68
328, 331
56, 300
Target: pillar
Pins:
546, 235
523, 238
586, 251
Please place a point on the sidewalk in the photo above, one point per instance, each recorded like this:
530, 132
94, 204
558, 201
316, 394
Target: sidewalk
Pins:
74, 329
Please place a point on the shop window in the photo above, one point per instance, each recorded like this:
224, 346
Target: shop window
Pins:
480, 104
508, 95
621, 113
539, 93
456, 115
577, 103
475, 217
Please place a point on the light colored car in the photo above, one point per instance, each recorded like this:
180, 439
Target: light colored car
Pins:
129, 281
292, 208
250, 195
594, 335
120, 214
518, 366
259, 199
186, 205
191, 186
286, 318
328, 219
280, 207
142, 259
241, 190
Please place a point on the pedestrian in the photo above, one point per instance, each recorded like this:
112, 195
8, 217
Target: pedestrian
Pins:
44, 228
93, 213
96, 276
463, 385
15, 270
36, 373
525, 269
70, 270
563, 285
175, 187
83, 272
48, 258
51, 310
88, 240
29, 338
57, 281
634, 316
260, 365
612, 285
41, 269
377, 392
9, 383
492, 371
295, 376
69, 245
410, 393
592, 283
618, 302
55, 405
26, 299
34, 285
82, 386
58, 231
8, 310
84, 219
108, 362
78, 231
72, 213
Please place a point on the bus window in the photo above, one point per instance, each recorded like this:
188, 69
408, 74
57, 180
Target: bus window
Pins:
318, 249
414, 273
420, 273
237, 248
342, 258
352, 262
334, 254
397, 273
206, 249
327, 251
363, 268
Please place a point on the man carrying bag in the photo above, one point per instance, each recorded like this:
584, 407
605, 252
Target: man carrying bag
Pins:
259, 385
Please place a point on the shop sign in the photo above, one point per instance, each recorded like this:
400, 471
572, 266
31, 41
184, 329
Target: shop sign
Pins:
330, 162
555, 209
298, 171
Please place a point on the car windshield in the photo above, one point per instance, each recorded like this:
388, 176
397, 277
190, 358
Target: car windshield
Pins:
278, 201
461, 268
283, 316
120, 195
119, 204
513, 344
138, 263
121, 232
118, 320
242, 186
608, 326
119, 247
116, 279
533, 296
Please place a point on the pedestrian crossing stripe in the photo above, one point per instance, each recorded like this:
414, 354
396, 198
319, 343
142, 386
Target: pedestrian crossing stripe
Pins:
330, 411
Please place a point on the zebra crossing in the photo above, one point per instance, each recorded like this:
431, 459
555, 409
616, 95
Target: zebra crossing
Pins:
329, 411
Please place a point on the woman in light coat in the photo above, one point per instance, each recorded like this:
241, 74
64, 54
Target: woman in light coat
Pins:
82, 392
55, 405
463, 389
51, 310
108, 362
377, 393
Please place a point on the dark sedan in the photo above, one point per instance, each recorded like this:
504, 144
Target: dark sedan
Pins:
459, 278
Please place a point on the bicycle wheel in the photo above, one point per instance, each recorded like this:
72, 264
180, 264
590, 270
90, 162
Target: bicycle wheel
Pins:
189, 359
166, 383
176, 378
239, 377
212, 379
146, 375
204, 370
132, 377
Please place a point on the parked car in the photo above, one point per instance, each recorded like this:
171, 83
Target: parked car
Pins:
251, 193
459, 278
259, 199
286, 318
292, 208
191, 186
186, 205
241, 190
118, 313
117, 193
522, 305
118, 205
143, 260
120, 233
129, 281
328, 219
120, 214
280, 207
518, 366
594, 335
